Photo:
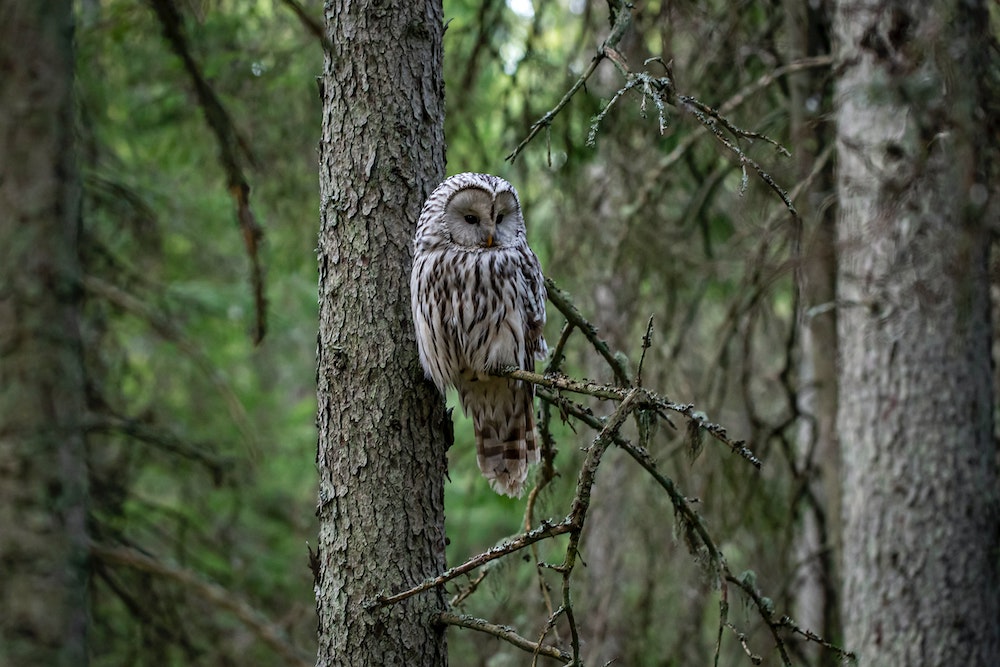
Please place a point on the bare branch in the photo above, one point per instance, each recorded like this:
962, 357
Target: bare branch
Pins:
231, 148
787, 622
268, 633
742, 638
562, 301
309, 23
564, 383
503, 632
164, 326
544, 531
622, 18
647, 341
581, 504
546, 120
462, 594
650, 400
162, 438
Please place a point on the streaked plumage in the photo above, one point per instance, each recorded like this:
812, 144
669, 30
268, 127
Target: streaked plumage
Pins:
478, 305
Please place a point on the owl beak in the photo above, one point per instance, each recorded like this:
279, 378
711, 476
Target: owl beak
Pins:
489, 240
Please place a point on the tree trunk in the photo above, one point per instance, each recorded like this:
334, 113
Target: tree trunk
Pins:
381, 451
43, 473
815, 587
915, 420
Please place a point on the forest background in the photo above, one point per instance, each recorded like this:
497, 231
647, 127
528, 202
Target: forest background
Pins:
197, 131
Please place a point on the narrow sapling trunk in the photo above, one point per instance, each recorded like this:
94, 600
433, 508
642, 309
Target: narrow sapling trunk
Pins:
817, 539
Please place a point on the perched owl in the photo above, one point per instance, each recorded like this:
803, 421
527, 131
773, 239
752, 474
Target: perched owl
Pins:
478, 305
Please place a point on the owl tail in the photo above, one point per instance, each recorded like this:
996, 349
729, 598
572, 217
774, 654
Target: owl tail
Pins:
504, 421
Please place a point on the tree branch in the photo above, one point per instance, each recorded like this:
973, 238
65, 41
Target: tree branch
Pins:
268, 633
163, 325
506, 547
562, 301
650, 400
503, 632
622, 18
231, 147
314, 27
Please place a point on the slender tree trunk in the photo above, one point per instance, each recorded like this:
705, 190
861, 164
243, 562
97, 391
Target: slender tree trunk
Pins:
381, 452
605, 600
43, 473
815, 604
921, 520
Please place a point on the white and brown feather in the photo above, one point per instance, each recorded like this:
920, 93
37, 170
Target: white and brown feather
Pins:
478, 302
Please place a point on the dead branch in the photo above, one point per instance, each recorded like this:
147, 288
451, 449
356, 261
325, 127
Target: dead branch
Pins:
167, 329
650, 401
268, 633
621, 19
232, 151
542, 532
503, 632
312, 25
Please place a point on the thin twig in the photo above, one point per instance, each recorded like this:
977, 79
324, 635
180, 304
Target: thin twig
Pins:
546, 120
622, 19
650, 400
504, 632
562, 301
232, 147
310, 23
742, 639
647, 341
544, 531
558, 352
223, 598
460, 597
728, 124
787, 622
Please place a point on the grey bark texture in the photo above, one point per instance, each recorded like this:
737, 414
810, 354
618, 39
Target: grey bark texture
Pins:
920, 488
382, 435
43, 473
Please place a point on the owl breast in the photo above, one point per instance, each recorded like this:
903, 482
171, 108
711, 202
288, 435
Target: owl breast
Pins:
475, 319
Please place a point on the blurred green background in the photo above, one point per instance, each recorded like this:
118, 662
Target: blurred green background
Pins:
206, 456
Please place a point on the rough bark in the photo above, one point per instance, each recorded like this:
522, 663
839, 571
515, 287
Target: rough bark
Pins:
382, 442
920, 485
43, 474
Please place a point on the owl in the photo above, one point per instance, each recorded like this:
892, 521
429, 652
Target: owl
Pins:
479, 305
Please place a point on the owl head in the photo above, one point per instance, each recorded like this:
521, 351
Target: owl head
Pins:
474, 211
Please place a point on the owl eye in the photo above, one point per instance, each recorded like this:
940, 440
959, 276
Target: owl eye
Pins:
472, 219
499, 218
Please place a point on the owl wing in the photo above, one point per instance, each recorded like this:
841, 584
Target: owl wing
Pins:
534, 307
433, 318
